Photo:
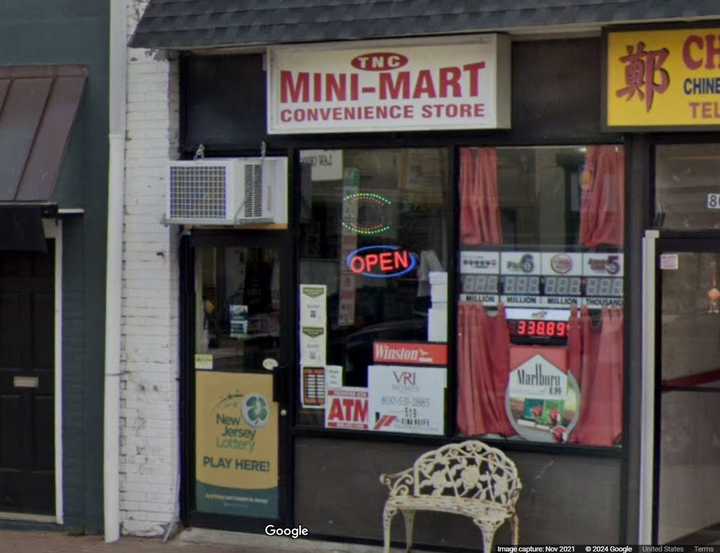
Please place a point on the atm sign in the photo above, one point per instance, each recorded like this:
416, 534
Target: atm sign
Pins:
381, 261
347, 408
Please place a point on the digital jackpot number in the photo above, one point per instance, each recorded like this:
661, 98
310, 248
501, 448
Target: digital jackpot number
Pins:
562, 286
604, 287
480, 284
544, 329
521, 285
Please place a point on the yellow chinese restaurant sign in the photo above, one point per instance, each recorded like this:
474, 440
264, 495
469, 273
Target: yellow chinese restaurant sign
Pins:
668, 78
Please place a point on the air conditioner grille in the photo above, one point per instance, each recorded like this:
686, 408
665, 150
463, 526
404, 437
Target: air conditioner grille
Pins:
253, 190
197, 192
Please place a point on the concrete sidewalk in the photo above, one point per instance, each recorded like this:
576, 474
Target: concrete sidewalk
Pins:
57, 542
189, 541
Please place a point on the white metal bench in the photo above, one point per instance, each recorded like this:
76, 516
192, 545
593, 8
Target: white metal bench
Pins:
469, 478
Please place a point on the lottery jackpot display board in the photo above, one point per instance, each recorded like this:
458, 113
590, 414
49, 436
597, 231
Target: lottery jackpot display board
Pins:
544, 398
542, 280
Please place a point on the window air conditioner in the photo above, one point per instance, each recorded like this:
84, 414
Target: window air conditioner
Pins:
237, 191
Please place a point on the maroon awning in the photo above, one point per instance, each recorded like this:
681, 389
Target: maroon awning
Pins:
38, 105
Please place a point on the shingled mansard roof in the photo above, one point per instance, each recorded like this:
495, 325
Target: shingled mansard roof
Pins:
187, 24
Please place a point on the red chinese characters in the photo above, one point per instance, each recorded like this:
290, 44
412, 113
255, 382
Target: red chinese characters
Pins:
644, 74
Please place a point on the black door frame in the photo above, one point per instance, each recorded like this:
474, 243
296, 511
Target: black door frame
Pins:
284, 377
669, 242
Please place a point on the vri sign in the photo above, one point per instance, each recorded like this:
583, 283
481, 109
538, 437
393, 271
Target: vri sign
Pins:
453, 83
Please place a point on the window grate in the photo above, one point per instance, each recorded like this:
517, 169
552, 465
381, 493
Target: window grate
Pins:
253, 190
198, 192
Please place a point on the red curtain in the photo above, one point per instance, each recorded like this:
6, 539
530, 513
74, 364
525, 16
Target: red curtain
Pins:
480, 204
596, 361
582, 345
603, 197
484, 369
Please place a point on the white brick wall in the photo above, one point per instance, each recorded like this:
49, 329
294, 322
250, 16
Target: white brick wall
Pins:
149, 438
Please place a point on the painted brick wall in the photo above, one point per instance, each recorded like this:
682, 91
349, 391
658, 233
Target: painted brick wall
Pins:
149, 439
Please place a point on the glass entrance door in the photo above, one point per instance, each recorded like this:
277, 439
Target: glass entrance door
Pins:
240, 358
687, 443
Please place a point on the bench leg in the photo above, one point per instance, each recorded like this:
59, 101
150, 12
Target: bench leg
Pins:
515, 530
488, 537
488, 534
409, 517
388, 514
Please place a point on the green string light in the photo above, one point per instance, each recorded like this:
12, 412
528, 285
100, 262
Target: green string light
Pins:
366, 231
369, 197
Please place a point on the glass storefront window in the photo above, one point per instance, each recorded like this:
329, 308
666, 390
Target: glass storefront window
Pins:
237, 417
686, 192
238, 307
375, 228
540, 353
686, 415
540, 292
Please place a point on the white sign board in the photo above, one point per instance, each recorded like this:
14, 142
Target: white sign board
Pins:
538, 378
326, 165
313, 324
668, 262
313, 305
542, 400
603, 264
713, 201
474, 262
312, 345
401, 85
520, 263
560, 263
333, 376
405, 399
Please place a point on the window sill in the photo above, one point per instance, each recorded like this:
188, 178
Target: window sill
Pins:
435, 441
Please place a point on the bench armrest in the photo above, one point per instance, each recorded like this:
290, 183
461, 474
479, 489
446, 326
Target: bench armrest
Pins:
399, 483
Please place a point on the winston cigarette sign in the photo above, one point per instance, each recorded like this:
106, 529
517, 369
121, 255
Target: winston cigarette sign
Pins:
663, 78
390, 86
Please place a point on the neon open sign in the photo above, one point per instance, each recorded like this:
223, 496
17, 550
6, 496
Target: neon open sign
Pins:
381, 261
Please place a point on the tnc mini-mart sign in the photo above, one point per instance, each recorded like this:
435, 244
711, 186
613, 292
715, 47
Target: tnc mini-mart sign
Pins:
403, 85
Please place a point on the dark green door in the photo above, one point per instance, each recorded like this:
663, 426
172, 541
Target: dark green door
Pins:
26, 382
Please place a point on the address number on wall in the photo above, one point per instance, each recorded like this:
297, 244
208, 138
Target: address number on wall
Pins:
713, 201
